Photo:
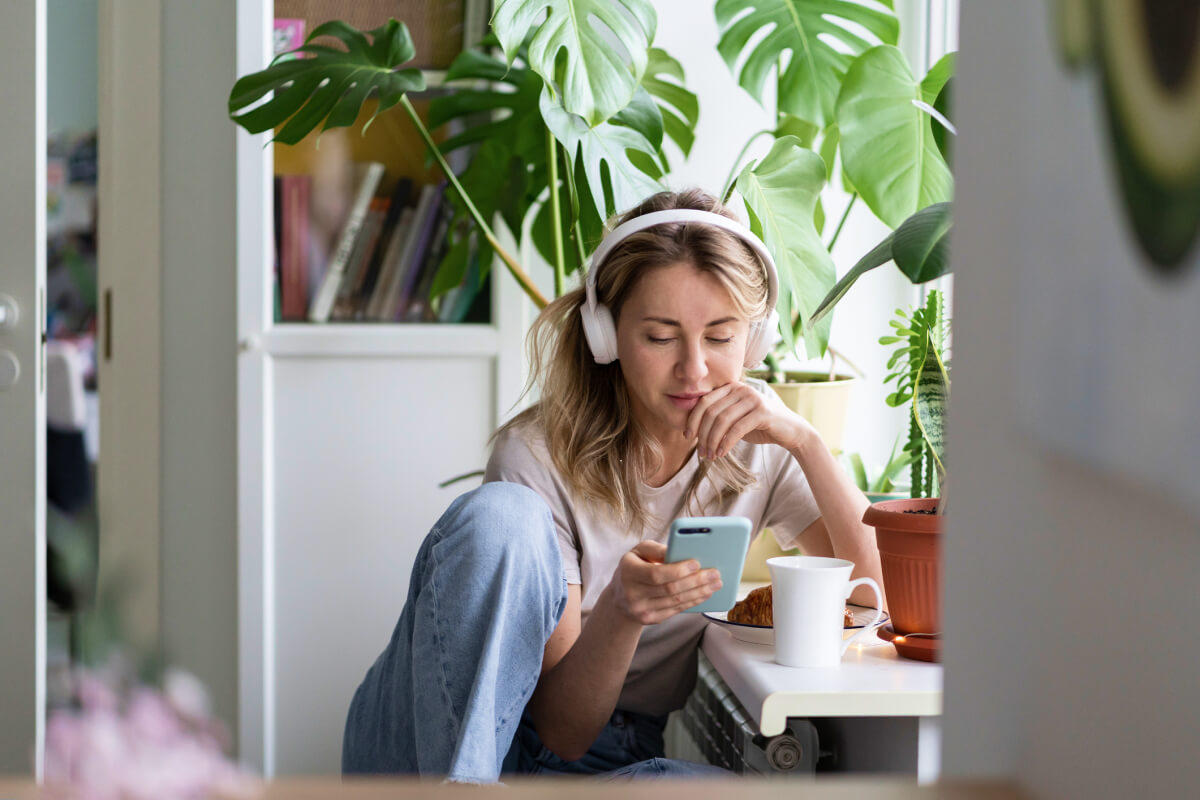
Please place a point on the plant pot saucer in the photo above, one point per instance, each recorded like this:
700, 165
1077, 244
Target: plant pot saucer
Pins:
919, 648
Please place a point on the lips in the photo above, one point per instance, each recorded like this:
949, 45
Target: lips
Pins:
686, 401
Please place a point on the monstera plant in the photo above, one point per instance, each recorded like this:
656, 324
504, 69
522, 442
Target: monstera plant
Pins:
567, 114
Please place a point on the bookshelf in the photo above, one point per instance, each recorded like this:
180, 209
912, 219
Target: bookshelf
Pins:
344, 431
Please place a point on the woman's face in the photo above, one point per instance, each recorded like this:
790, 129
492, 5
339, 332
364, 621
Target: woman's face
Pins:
679, 336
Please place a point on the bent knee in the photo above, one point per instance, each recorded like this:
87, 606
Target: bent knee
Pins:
500, 517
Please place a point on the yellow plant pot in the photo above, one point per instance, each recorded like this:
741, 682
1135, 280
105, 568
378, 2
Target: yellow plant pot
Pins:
821, 401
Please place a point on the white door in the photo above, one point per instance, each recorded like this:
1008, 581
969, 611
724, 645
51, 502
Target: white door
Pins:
22, 404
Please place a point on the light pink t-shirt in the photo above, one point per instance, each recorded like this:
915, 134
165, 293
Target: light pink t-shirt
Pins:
592, 541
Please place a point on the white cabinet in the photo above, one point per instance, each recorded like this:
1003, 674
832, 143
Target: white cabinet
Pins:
345, 431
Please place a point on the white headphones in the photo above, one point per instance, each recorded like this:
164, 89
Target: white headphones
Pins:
598, 325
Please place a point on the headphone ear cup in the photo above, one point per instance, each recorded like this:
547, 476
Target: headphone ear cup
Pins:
600, 332
761, 337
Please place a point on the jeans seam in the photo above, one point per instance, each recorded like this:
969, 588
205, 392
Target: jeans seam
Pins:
443, 684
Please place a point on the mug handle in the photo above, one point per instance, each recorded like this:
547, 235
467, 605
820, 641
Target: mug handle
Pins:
868, 628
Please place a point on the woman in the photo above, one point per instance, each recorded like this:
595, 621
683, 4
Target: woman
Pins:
543, 632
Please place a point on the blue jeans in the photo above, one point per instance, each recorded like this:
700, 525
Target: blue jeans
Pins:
446, 696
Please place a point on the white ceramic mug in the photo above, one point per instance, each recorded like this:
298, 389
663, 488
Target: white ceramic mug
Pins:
808, 600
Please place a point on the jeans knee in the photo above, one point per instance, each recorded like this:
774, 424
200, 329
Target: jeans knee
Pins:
501, 518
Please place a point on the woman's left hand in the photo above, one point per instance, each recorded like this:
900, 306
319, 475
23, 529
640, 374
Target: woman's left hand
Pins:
734, 412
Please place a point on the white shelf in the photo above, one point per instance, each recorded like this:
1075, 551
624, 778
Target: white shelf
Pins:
301, 340
872, 681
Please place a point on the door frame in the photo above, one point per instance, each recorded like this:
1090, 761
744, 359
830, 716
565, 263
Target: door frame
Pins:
129, 353
23, 537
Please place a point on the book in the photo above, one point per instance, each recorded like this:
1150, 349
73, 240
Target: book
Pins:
387, 297
293, 257
364, 250
420, 307
399, 201
391, 265
429, 213
322, 304
287, 35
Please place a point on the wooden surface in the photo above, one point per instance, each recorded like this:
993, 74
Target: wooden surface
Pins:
554, 789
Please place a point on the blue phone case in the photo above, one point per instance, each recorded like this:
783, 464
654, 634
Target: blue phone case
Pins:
719, 542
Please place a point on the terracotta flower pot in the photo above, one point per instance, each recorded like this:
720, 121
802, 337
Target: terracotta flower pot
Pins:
910, 553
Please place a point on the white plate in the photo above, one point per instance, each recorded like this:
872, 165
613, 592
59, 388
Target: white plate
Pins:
765, 634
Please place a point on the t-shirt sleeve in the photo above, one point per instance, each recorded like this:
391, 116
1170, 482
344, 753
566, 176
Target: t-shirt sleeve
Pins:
516, 458
791, 507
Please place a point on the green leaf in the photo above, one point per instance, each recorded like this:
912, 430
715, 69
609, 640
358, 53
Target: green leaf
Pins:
888, 149
603, 45
921, 245
929, 404
815, 33
938, 75
643, 116
858, 471
604, 152
802, 129
679, 107
781, 192
879, 255
329, 86
945, 106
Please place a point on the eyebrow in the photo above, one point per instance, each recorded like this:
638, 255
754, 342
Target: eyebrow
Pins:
675, 323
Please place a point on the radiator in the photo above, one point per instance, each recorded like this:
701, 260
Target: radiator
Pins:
721, 732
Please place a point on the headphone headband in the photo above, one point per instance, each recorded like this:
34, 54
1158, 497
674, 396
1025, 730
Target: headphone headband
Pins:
674, 215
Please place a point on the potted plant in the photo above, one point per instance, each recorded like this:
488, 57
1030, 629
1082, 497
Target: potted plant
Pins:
585, 115
908, 531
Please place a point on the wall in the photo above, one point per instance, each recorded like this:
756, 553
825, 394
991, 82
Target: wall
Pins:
729, 116
1070, 593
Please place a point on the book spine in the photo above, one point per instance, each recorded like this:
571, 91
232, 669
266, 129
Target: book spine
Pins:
388, 270
431, 200
327, 294
294, 258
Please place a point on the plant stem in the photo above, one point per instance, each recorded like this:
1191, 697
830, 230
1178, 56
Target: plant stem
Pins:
524, 280
555, 213
728, 190
842, 222
573, 193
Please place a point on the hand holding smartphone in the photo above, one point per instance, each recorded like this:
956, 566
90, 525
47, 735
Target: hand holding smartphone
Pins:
716, 542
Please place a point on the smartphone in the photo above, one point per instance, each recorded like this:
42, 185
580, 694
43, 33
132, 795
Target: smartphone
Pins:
716, 542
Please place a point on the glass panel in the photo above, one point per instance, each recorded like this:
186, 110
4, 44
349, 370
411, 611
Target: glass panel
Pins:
361, 219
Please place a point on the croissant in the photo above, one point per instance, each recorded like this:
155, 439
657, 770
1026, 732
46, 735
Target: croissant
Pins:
755, 609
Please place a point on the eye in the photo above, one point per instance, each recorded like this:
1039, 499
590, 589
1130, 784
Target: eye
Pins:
656, 340
726, 340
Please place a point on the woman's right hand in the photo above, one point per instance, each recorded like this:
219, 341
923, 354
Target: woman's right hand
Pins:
647, 591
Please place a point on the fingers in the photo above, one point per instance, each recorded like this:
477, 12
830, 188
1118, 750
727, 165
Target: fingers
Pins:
724, 417
654, 552
654, 591
665, 600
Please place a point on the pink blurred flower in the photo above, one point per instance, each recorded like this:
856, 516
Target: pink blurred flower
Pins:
140, 744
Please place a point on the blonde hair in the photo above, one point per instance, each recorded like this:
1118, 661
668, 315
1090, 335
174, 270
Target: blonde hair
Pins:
584, 411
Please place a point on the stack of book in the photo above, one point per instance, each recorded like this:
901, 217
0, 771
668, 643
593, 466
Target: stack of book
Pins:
381, 263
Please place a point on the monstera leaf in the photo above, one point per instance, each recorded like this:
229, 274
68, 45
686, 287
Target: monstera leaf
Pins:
781, 194
679, 107
614, 180
820, 37
329, 86
594, 38
888, 149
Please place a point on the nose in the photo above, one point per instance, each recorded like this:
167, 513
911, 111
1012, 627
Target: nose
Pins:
692, 366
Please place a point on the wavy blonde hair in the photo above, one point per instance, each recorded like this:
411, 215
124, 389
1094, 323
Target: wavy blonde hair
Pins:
584, 411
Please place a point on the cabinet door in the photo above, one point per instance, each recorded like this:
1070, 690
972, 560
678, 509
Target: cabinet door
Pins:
22, 403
